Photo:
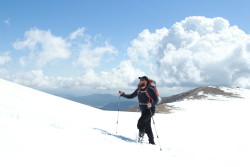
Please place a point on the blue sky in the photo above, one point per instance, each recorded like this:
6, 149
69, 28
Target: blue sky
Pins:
91, 46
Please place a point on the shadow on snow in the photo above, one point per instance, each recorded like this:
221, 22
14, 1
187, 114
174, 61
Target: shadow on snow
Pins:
114, 135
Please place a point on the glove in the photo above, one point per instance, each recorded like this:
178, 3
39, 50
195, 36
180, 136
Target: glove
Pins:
149, 105
121, 93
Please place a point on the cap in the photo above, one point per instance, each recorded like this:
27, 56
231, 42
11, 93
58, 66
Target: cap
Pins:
144, 77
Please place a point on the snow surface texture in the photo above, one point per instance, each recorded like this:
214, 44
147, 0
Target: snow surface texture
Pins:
38, 129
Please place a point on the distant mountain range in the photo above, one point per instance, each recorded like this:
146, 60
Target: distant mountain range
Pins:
110, 102
209, 92
206, 93
102, 101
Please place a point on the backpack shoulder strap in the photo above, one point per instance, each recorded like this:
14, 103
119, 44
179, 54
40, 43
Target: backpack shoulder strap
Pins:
149, 98
138, 91
147, 94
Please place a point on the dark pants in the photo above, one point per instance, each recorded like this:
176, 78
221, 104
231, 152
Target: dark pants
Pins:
144, 124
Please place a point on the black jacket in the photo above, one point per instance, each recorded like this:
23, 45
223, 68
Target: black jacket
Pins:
143, 98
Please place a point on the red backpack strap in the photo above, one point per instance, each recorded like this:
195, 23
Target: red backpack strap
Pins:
147, 94
149, 98
156, 91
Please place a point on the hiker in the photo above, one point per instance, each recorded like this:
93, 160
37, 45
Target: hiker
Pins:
147, 98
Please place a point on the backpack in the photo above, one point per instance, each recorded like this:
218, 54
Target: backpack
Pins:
152, 83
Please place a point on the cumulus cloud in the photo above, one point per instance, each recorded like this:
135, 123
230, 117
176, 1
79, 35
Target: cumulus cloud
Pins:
145, 44
4, 58
121, 77
92, 51
197, 51
43, 47
78, 33
91, 56
34, 78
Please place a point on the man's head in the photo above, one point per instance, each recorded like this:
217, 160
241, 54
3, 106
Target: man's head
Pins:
144, 78
143, 81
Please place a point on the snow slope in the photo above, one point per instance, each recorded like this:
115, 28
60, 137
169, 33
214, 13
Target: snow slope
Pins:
38, 129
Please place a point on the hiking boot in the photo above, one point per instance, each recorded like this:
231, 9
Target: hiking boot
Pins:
141, 134
151, 141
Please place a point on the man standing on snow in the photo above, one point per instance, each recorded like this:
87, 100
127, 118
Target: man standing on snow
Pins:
147, 100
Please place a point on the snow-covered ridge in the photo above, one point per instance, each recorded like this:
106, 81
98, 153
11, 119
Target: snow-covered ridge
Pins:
208, 93
39, 129
217, 93
25, 103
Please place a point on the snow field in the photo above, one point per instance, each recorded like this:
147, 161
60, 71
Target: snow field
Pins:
38, 129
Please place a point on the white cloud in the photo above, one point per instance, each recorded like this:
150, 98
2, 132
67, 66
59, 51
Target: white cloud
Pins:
92, 51
35, 78
91, 56
145, 45
123, 77
78, 33
243, 82
196, 51
4, 58
43, 47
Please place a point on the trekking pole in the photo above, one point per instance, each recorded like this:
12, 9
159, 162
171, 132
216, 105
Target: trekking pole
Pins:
156, 131
118, 113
